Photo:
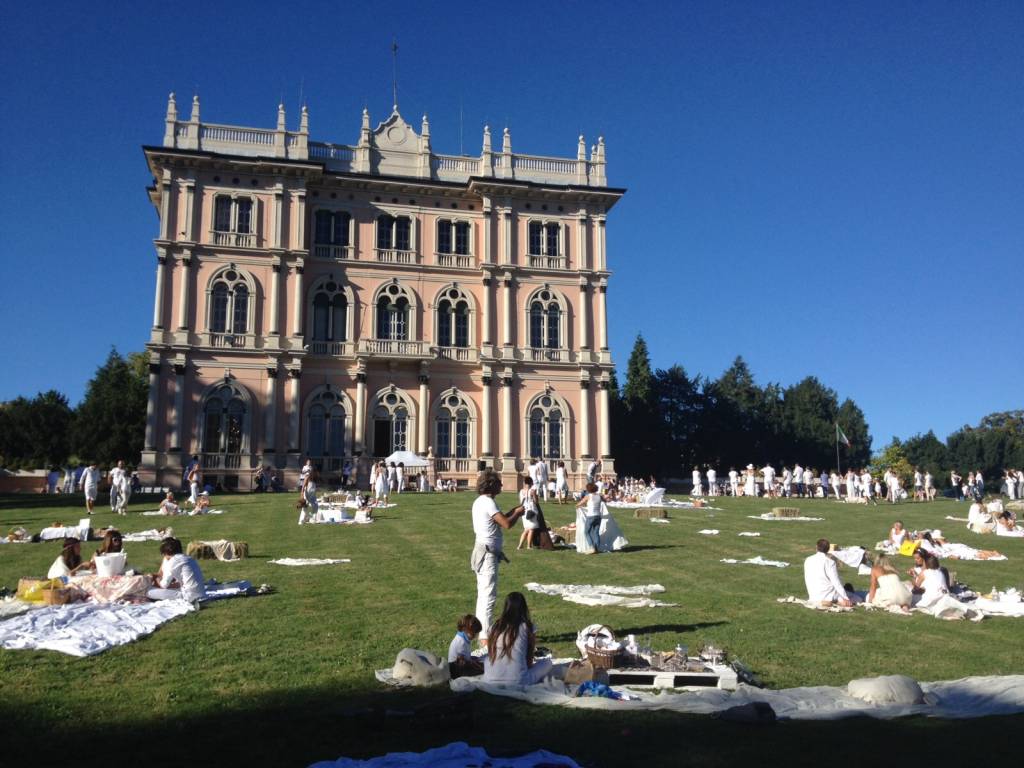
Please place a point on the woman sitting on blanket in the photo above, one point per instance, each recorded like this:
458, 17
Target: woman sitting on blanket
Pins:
168, 506
933, 584
886, 588
68, 561
1008, 524
897, 534
202, 504
112, 543
510, 646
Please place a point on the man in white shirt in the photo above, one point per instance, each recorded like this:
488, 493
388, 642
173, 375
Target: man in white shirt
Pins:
542, 478
865, 487
822, 578
488, 522
90, 483
798, 478
808, 483
929, 486
769, 480
734, 482
533, 470
697, 489
179, 576
712, 483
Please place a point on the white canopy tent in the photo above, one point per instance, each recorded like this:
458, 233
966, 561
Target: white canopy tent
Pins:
408, 458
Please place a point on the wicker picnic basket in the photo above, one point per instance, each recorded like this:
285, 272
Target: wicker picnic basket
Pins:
786, 511
603, 658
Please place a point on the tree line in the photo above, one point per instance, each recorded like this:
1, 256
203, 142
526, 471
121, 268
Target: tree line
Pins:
109, 424
666, 422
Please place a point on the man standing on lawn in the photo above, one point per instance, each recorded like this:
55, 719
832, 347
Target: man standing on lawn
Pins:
488, 522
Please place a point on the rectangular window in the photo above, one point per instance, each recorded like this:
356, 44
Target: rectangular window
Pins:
336, 436
323, 227
384, 226
462, 329
552, 240
402, 234
316, 434
462, 238
536, 238
222, 214
339, 311
211, 437
444, 237
241, 310
340, 233
462, 440
444, 438
244, 224
554, 439
401, 430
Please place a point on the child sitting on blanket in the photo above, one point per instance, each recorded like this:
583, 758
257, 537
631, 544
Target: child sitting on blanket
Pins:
202, 504
179, 576
461, 662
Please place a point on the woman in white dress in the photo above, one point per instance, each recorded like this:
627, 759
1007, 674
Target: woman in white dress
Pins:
309, 496
380, 488
750, 483
400, 476
561, 483
531, 522
510, 645
886, 588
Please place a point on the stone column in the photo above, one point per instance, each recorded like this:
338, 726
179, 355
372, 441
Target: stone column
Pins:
158, 301
506, 338
270, 425
602, 245
485, 416
604, 433
360, 426
583, 313
299, 201
190, 198
582, 259
602, 314
506, 235
294, 410
278, 216
185, 261
485, 321
165, 206
178, 417
297, 299
487, 240
275, 293
424, 414
585, 419
151, 406
506, 416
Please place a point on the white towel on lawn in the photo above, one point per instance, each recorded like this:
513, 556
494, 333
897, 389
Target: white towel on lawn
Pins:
455, 755
663, 520
755, 561
770, 516
85, 629
955, 551
308, 561
748, 533
151, 535
967, 697
589, 594
709, 532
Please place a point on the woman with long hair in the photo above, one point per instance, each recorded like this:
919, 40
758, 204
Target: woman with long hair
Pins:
886, 588
510, 646
68, 561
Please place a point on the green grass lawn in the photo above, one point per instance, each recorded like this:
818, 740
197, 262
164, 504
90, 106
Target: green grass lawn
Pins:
287, 679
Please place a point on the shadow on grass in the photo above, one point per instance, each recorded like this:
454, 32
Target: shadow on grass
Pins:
677, 629
644, 547
299, 727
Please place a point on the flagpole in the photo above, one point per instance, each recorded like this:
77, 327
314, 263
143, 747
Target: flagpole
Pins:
839, 469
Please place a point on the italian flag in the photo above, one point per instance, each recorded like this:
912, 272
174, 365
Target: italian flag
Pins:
841, 436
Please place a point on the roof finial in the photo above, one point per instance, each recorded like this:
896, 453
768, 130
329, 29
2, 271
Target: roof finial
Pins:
195, 108
394, 74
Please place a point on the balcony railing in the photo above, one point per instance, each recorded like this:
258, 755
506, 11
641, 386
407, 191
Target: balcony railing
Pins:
336, 252
235, 239
459, 354
460, 260
453, 465
546, 355
221, 460
230, 340
394, 348
394, 256
331, 348
546, 262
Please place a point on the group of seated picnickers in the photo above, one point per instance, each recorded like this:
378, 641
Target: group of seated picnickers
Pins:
179, 576
169, 506
992, 517
927, 584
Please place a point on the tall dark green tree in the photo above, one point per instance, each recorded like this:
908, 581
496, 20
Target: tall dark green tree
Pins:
928, 453
110, 422
855, 427
811, 410
36, 433
640, 436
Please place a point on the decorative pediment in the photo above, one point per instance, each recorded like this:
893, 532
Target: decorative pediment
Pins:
395, 134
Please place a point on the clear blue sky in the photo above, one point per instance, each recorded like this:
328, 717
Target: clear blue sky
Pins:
823, 188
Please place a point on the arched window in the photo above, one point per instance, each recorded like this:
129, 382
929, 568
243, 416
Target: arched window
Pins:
545, 316
230, 304
330, 313
394, 310
546, 428
325, 426
453, 313
452, 436
391, 417
225, 424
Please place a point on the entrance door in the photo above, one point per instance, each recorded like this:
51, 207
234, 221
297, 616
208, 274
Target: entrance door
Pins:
382, 437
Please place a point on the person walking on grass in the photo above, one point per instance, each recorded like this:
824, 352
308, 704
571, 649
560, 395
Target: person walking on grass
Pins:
90, 485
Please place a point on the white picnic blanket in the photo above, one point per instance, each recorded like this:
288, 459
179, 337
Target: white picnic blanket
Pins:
1016, 532
152, 534
341, 521
85, 629
709, 532
664, 503
755, 561
158, 513
748, 533
956, 551
308, 561
1007, 605
954, 699
53, 533
12, 606
455, 755
770, 516
662, 520
589, 594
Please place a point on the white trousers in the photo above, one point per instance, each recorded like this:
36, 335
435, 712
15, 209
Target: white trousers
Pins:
485, 566
194, 497
734, 486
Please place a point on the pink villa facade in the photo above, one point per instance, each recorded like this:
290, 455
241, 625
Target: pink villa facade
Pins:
346, 301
